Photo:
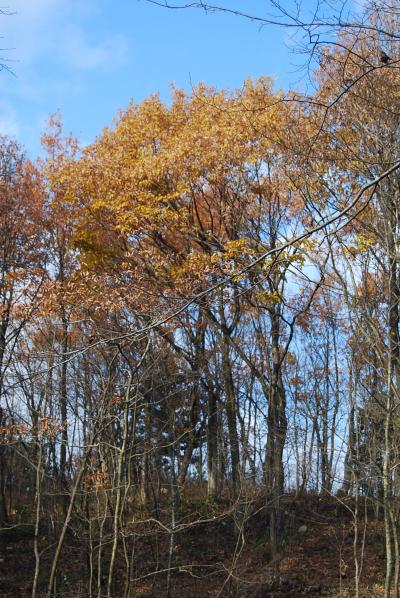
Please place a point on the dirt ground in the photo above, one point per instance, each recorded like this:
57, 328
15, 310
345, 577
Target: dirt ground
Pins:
212, 560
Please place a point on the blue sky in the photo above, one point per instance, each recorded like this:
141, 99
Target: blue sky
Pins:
88, 58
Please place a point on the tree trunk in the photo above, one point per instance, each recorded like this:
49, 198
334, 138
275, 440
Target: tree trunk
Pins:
277, 427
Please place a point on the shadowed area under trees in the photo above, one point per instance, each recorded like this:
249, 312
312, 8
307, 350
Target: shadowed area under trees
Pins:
199, 337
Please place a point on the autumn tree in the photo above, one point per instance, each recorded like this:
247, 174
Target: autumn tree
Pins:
22, 220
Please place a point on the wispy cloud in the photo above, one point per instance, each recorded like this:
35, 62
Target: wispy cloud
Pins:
53, 30
77, 52
9, 123
55, 46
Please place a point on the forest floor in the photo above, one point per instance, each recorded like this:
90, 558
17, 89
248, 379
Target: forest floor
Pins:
212, 560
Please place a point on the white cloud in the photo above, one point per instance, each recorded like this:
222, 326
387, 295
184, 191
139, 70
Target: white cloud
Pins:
77, 52
30, 29
53, 29
9, 124
56, 44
